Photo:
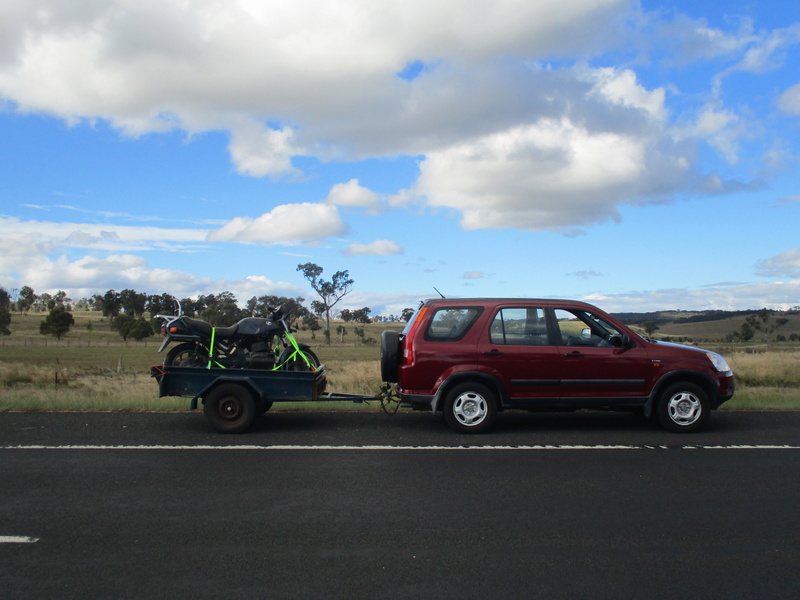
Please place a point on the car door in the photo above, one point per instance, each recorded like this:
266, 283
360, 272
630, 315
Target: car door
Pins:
598, 361
517, 349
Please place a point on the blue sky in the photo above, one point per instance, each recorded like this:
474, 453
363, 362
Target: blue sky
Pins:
638, 155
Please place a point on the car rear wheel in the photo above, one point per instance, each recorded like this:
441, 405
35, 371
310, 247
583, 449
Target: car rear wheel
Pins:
470, 408
684, 407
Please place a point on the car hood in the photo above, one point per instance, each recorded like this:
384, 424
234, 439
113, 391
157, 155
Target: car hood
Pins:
674, 345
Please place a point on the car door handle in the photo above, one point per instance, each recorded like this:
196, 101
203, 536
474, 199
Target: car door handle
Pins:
574, 354
494, 352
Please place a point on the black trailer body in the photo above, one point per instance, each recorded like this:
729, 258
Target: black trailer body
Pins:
232, 398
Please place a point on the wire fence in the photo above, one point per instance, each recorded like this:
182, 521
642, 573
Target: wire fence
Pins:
45, 342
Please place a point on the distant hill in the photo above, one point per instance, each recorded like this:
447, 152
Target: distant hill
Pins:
711, 325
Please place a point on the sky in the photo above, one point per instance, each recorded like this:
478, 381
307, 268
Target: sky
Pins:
640, 156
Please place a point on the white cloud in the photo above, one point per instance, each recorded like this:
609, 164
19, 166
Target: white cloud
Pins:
18, 235
257, 150
352, 194
376, 248
789, 102
721, 128
553, 174
693, 39
734, 296
503, 138
786, 264
285, 224
310, 78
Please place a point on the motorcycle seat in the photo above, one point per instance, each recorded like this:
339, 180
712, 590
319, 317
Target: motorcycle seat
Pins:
205, 328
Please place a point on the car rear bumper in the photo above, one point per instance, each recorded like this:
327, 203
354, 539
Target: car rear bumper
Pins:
416, 401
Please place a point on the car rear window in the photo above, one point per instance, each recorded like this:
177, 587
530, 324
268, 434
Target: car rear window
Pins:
451, 324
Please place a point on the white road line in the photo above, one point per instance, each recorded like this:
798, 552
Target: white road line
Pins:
17, 539
384, 447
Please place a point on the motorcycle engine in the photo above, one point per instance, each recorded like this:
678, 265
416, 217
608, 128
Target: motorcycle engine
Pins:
260, 356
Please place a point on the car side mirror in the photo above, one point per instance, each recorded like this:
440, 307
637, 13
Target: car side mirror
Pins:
586, 333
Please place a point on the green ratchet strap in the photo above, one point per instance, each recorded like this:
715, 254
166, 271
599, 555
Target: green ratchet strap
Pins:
211, 350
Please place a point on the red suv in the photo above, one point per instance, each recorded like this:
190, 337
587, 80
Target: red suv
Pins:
471, 358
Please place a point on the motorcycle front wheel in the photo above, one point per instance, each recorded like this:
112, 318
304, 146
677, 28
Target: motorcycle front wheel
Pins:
187, 354
289, 360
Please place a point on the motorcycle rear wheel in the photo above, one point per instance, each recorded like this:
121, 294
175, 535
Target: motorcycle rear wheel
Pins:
187, 354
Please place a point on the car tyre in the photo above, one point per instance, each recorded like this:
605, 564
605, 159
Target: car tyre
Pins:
390, 356
470, 408
684, 407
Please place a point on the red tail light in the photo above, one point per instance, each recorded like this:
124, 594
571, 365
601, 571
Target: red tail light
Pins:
408, 345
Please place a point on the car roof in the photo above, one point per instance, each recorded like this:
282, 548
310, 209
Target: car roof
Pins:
496, 301
557, 302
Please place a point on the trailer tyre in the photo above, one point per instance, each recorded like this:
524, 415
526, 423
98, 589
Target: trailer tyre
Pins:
230, 408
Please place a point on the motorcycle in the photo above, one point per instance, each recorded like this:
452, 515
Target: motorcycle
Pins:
252, 343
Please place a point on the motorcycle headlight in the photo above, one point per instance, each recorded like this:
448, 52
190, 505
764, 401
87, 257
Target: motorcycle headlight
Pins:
720, 364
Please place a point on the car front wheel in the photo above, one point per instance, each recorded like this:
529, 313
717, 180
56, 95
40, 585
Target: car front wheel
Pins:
684, 407
470, 408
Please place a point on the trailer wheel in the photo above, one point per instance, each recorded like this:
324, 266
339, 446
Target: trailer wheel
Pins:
262, 406
230, 408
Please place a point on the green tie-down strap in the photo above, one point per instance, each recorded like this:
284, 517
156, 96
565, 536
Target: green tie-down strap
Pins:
211, 349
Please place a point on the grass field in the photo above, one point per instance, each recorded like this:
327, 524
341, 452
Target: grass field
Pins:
92, 369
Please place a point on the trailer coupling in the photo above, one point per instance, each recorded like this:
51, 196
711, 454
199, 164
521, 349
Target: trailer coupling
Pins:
387, 397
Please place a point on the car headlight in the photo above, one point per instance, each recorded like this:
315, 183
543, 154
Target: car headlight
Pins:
720, 364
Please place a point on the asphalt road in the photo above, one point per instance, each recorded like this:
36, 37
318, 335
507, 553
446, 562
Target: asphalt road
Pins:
335, 505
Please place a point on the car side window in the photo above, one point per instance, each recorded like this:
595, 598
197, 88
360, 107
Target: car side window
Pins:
519, 327
451, 324
582, 328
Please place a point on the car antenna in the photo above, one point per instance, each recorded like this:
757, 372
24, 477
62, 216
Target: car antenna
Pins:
438, 292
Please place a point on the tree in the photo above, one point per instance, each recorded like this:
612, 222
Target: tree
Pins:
650, 327
5, 321
762, 321
61, 299
130, 326
165, 304
264, 305
44, 302
330, 292
26, 299
362, 315
132, 302
5, 312
311, 323
57, 323
109, 303
221, 310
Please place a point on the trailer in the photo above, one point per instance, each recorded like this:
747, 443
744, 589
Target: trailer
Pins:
232, 398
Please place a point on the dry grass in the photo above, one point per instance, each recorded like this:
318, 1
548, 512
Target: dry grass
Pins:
98, 372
